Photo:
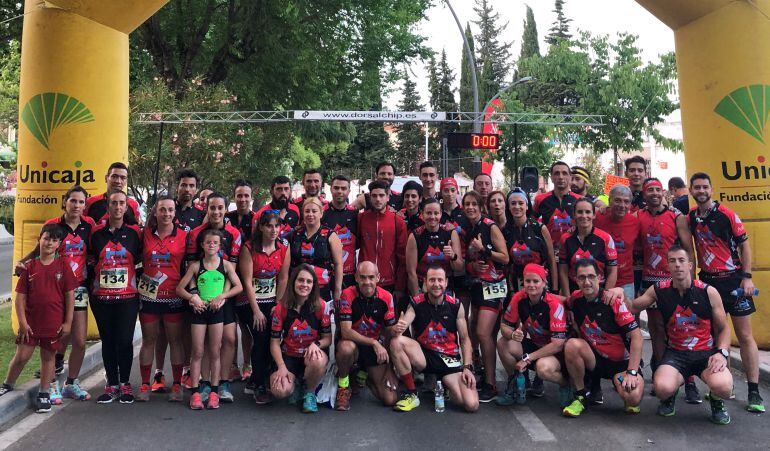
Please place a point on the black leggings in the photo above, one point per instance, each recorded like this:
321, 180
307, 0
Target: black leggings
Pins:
261, 360
116, 321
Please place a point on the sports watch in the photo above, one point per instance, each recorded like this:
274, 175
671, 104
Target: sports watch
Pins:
725, 353
632, 372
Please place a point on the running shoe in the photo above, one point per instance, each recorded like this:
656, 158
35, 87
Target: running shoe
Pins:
409, 401
246, 373
250, 388
691, 393
42, 403
719, 414
508, 397
5, 388
262, 396
487, 392
205, 389
195, 402
566, 396
576, 408
144, 393
309, 403
110, 394
235, 373
126, 394
225, 395
342, 401
213, 402
667, 407
74, 391
297, 394
755, 404
186, 380
595, 397
54, 394
158, 382
632, 409
175, 395
537, 390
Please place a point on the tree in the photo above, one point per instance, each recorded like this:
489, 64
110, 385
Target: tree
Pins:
493, 55
442, 98
410, 135
560, 29
9, 85
466, 79
530, 46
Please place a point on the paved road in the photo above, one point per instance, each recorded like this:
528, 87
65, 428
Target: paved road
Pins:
6, 259
159, 424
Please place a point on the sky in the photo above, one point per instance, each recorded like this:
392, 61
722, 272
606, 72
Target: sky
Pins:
597, 16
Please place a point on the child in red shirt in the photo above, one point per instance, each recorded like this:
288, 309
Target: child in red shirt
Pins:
45, 302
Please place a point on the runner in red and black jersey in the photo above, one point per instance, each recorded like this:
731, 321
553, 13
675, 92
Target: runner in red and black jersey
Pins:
188, 214
431, 244
366, 312
384, 172
698, 336
318, 246
587, 243
636, 172
300, 338
724, 258
113, 252
441, 345
624, 228
117, 181
453, 218
412, 204
230, 248
280, 190
264, 265
74, 247
428, 180
556, 208
342, 219
243, 217
533, 330
485, 260
163, 252
659, 228
609, 342
482, 184
527, 241
313, 183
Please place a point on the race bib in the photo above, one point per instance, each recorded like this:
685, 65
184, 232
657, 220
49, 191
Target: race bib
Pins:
264, 288
451, 362
494, 290
81, 297
115, 278
148, 287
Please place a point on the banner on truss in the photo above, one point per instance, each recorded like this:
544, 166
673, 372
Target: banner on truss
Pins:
371, 116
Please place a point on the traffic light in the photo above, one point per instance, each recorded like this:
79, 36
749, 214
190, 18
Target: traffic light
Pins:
530, 180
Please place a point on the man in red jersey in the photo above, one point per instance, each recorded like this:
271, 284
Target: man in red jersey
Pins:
117, 181
556, 208
280, 190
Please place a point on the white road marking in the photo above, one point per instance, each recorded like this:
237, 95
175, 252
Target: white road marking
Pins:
536, 429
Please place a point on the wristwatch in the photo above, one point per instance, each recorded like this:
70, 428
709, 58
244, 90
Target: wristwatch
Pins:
525, 357
469, 367
725, 353
746, 275
632, 372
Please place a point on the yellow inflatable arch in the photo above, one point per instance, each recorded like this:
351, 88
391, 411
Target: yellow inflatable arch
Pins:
723, 58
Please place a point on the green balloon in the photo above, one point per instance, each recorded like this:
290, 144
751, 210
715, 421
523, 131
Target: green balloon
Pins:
211, 284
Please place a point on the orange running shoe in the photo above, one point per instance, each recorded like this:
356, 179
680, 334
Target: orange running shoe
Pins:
159, 382
186, 379
213, 401
195, 402
144, 393
176, 394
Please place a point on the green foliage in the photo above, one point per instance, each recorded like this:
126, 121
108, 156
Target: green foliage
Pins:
530, 44
442, 98
466, 79
493, 55
9, 84
560, 29
596, 173
6, 211
411, 137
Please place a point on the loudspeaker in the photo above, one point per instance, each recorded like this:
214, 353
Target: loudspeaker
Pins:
529, 179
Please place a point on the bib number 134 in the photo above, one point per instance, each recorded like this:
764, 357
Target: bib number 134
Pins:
114, 278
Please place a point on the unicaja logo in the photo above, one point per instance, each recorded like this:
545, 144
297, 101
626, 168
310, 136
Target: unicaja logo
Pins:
46, 112
740, 170
748, 108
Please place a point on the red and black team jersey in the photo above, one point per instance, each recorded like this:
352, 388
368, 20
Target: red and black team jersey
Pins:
688, 318
265, 270
597, 246
604, 327
624, 233
657, 233
290, 218
45, 286
435, 326
541, 321
245, 225
74, 246
368, 315
637, 201
525, 245
113, 255
299, 329
96, 209
188, 218
454, 220
298, 201
557, 215
430, 250
483, 228
717, 237
162, 262
344, 223
315, 251
412, 222
230, 247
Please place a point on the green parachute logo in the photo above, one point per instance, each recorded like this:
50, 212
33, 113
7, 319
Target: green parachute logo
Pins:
748, 108
45, 112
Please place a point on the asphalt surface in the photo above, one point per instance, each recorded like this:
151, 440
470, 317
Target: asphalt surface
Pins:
6, 261
243, 425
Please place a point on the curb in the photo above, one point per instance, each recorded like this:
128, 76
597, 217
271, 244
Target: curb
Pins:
19, 402
735, 358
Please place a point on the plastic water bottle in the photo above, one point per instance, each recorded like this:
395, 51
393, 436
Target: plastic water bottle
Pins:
521, 389
439, 397
738, 292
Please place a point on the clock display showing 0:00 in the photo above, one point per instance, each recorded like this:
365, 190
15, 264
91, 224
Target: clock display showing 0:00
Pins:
473, 141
